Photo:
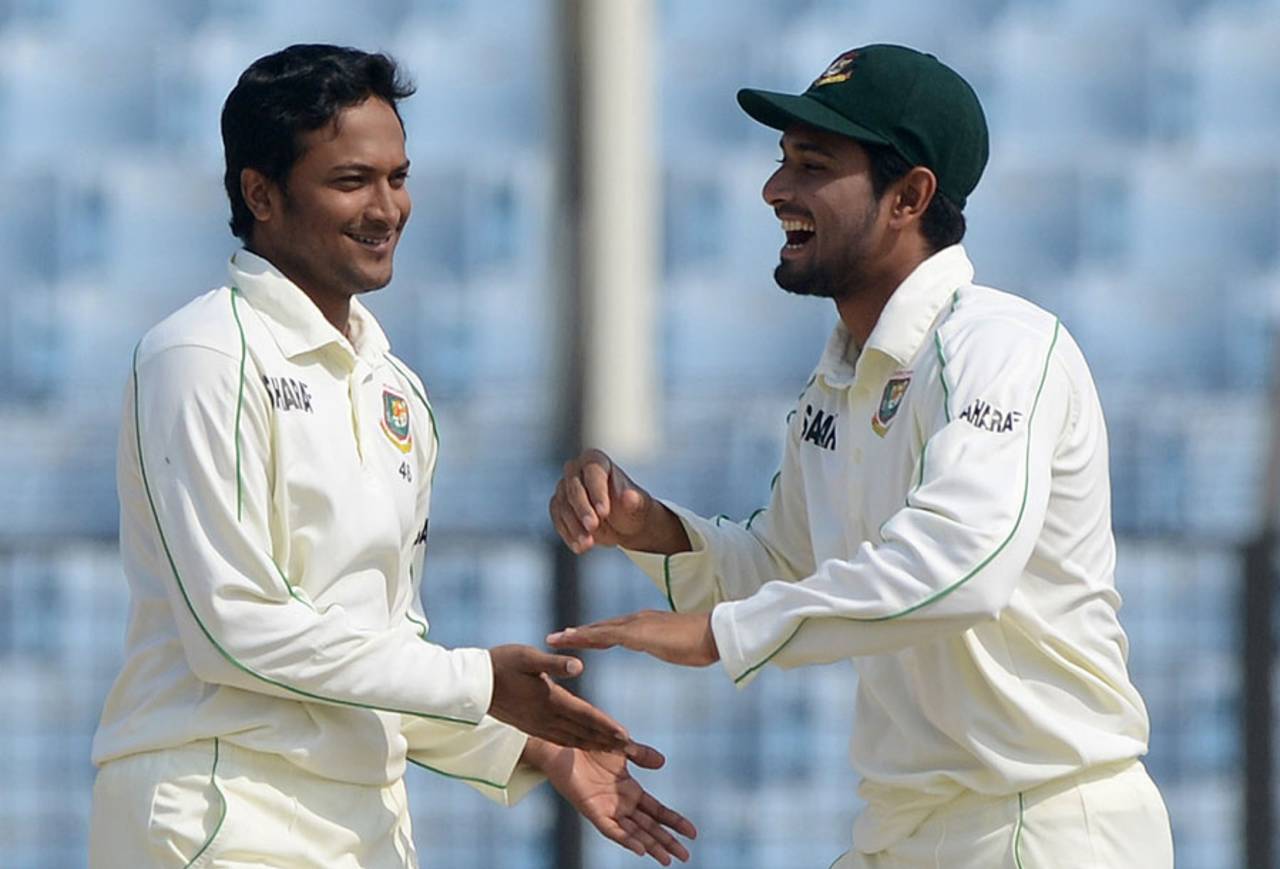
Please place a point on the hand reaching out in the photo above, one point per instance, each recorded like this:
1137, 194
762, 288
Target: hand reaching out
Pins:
599, 785
526, 696
678, 638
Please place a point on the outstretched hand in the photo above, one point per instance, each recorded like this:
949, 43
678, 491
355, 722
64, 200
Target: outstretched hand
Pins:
599, 785
526, 696
677, 638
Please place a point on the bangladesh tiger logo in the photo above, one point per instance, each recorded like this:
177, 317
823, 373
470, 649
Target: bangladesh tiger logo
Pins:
395, 419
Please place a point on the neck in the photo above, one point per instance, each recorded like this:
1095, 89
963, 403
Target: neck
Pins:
334, 307
860, 310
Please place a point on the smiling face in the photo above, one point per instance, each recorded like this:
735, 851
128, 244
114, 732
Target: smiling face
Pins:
823, 196
332, 228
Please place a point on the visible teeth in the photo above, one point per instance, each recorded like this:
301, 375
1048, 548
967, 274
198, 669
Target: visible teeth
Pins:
364, 239
797, 225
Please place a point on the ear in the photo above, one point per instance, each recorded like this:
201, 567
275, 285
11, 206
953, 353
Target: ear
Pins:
260, 193
914, 191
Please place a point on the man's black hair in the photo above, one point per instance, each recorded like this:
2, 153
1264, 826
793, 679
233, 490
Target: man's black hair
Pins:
943, 223
294, 91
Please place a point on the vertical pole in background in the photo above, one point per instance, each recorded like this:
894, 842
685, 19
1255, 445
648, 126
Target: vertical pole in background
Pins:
1258, 620
607, 265
1258, 701
566, 609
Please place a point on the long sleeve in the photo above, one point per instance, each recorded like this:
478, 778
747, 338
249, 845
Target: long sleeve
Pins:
732, 560
952, 555
203, 458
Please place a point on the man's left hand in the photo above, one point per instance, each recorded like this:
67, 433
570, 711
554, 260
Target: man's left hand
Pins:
599, 785
677, 638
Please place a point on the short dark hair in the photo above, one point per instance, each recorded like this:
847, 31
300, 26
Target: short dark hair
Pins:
294, 91
943, 223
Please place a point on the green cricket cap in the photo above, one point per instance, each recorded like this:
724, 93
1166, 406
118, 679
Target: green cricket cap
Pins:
896, 96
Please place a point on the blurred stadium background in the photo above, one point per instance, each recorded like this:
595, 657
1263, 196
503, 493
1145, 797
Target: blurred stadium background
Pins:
1134, 189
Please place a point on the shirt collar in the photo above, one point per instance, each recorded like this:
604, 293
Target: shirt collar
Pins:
294, 320
907, 317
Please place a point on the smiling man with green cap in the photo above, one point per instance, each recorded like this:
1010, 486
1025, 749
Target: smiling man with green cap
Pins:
942, 513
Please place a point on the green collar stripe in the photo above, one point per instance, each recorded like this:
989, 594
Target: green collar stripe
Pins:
173, 567
939, 595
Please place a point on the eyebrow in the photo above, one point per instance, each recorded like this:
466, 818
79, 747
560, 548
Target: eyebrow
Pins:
365, 168
806, 148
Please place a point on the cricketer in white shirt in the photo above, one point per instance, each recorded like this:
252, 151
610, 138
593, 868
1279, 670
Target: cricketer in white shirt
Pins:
275, 485
942, 517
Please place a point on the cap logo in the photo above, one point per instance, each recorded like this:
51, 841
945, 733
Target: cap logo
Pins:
841, 69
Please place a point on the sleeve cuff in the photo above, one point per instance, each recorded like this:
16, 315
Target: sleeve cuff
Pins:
732, 655
668, 571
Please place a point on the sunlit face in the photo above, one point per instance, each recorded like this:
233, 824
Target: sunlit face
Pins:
333, 227
822, 194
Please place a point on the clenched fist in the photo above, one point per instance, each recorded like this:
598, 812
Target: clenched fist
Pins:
597, 504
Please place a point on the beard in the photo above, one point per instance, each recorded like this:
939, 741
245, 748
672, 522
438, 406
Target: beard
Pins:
836, 277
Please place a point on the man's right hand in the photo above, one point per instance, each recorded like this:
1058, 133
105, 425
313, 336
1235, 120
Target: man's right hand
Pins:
597, 504
526, 696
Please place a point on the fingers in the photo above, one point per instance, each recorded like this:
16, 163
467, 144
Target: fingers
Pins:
611, 829
579, 502
555, 666
661, 835
566, 522
596, 636
666, 816
576, 713
652, 846
645, 756
595, 484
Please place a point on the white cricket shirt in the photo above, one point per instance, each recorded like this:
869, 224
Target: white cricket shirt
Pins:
274, 483
943, 517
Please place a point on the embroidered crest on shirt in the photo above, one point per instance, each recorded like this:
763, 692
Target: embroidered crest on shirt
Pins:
841, 69
395, 419
890, 402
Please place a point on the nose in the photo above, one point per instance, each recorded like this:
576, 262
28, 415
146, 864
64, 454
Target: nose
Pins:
389, 204
776, 191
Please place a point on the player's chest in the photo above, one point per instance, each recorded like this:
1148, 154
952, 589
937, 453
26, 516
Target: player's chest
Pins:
349, 437
859, 446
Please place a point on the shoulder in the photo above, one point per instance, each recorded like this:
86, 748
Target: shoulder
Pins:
207, 326
989, 329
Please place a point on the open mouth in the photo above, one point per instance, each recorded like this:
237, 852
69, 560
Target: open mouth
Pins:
372, 242
798, 232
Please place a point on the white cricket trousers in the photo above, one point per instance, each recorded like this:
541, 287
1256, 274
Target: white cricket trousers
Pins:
211, 804
1110, 817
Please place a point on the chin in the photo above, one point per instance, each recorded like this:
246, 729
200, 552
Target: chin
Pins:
802, 283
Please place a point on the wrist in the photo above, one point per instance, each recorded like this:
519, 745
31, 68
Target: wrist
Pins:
661, 533
539, 753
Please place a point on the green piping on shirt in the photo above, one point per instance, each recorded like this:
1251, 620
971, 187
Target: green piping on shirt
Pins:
235, 312
469, 778
1017, 834
937, 596
182, 588
221, 817
753, 516
666, 575
422, 628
